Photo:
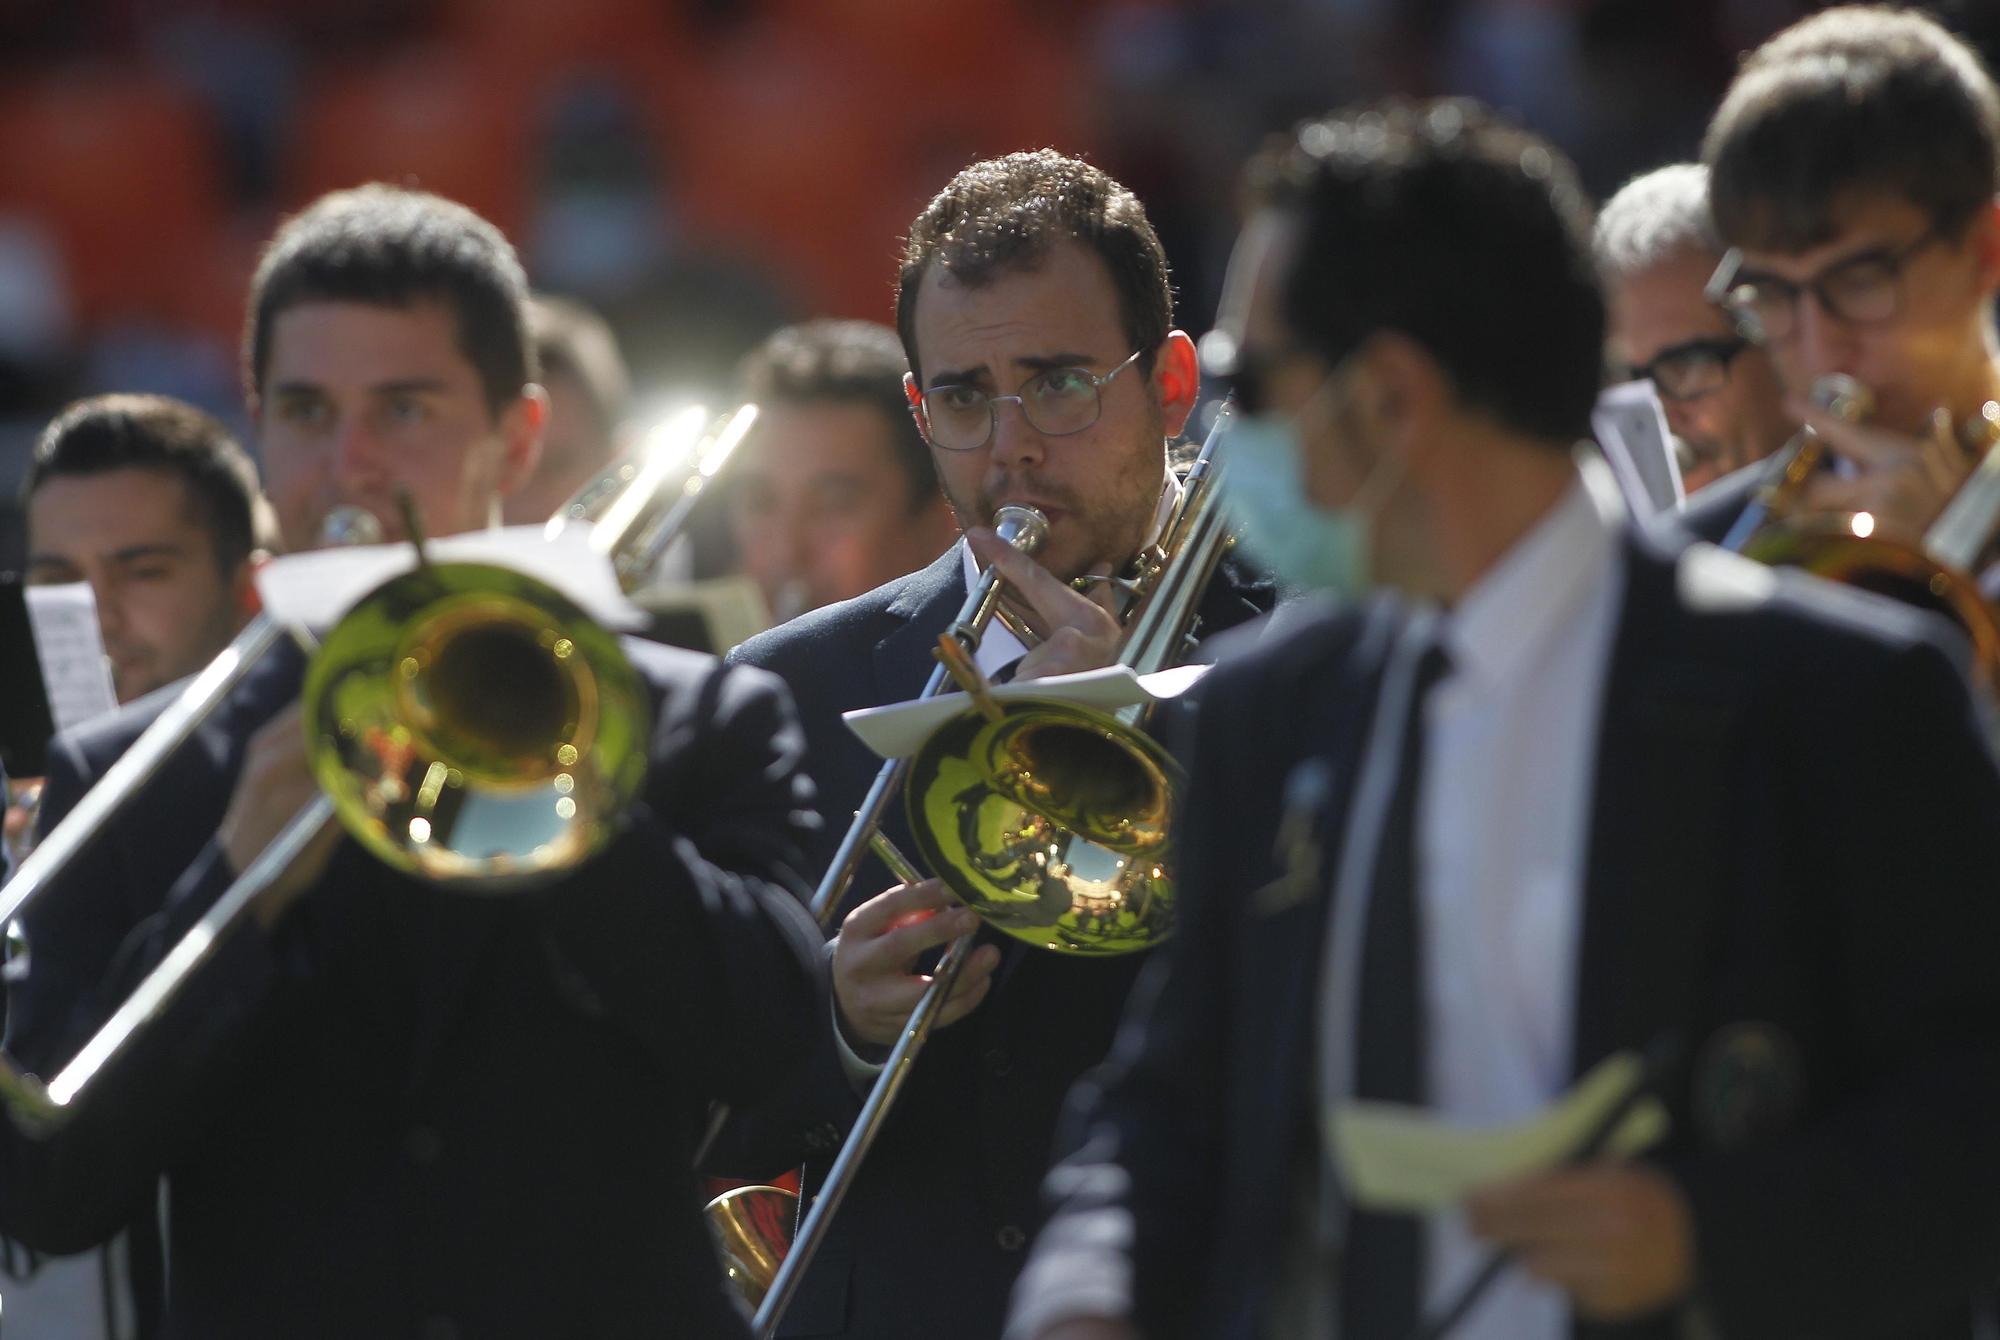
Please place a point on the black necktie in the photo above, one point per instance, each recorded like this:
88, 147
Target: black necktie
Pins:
1381, 1269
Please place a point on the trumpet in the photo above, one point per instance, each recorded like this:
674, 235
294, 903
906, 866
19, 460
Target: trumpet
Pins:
1050, 822
1935, 573
414, 753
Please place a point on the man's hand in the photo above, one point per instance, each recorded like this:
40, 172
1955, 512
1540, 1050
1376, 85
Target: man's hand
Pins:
873, 984
1903, 482
275, 785
1617, 1237
1078, 631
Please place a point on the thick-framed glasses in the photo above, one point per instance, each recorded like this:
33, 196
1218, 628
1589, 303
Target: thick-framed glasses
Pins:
1864, 289
1055, 402
1693, 368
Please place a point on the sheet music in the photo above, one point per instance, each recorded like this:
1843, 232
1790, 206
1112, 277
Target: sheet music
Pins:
70, 647
1632, 430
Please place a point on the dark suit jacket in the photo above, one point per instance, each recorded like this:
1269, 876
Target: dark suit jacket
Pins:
929, 1239
411, 1110
1796, 824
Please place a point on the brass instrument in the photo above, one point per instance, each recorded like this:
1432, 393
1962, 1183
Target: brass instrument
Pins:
416, 754
1935, 574
752, 1227
1049, 821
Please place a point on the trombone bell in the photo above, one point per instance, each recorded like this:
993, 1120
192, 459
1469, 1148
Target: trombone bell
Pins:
471, 724
1051, 824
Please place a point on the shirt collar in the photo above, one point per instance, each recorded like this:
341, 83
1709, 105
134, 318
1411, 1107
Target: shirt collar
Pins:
1543, 579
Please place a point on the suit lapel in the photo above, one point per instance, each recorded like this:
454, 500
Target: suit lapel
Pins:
903, 660
1670, 719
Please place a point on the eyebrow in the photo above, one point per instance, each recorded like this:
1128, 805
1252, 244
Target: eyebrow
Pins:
132, 553
400, 386
1032, 363
1869, 252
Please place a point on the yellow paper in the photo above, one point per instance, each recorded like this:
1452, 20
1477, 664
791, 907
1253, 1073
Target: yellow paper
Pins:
1404, 1160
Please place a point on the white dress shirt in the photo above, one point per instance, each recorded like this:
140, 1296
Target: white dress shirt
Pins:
1502, 826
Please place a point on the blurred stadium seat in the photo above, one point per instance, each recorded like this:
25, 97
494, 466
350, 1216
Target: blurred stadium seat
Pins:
123, 170
426, 117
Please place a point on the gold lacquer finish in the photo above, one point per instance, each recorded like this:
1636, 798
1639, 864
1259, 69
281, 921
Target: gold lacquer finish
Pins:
469, 722
1051, 820
1844, 546
1051, 824
752, 1228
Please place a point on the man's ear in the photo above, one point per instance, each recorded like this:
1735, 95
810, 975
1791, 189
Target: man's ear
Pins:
1399, 391
914, 394
243, 594
521, 425
1986, 246
1176, 380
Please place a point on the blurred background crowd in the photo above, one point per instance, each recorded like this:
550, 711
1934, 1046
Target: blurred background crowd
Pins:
702, 171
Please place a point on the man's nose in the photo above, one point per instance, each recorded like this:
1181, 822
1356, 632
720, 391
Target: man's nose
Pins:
1016, 443
1821, 341
359, 460
1694, 419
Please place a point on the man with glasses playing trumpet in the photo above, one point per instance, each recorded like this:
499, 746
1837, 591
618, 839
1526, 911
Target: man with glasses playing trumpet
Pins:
1036, 315
389, 1108
1853, 166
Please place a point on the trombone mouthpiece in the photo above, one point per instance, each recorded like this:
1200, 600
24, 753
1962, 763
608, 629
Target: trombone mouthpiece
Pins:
1023, 527
1843, 397
348, 524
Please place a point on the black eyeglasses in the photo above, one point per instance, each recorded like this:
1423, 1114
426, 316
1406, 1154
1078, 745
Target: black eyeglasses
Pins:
1693, 368
1863, 289
1057, 402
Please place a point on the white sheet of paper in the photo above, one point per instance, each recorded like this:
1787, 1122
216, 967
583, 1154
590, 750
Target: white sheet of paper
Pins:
900, 729
1632, 429
70, 646
1404, 1160
317, 587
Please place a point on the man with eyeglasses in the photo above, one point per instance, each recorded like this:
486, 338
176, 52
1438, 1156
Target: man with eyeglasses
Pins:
1656, 247
1854, 176
1035, 312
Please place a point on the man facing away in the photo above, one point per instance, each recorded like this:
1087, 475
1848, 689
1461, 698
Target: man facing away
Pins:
1044, 369
386, 1107
1560, 791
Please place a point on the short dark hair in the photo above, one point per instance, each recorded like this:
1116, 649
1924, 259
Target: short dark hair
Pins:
154, 432
843, 363
1459, 231
573, 341
391, 247
1859, 98
1002, 215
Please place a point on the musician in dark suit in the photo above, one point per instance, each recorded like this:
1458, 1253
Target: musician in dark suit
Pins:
1854, 165
1035, 312
389, 1108
1567, 792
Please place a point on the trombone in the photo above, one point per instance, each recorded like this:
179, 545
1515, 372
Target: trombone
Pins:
1935, 573
1047, 819
410, 751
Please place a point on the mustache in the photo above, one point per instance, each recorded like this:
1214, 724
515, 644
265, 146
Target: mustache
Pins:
1048, 492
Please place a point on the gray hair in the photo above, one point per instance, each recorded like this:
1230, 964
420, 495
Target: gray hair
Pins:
1653, 218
